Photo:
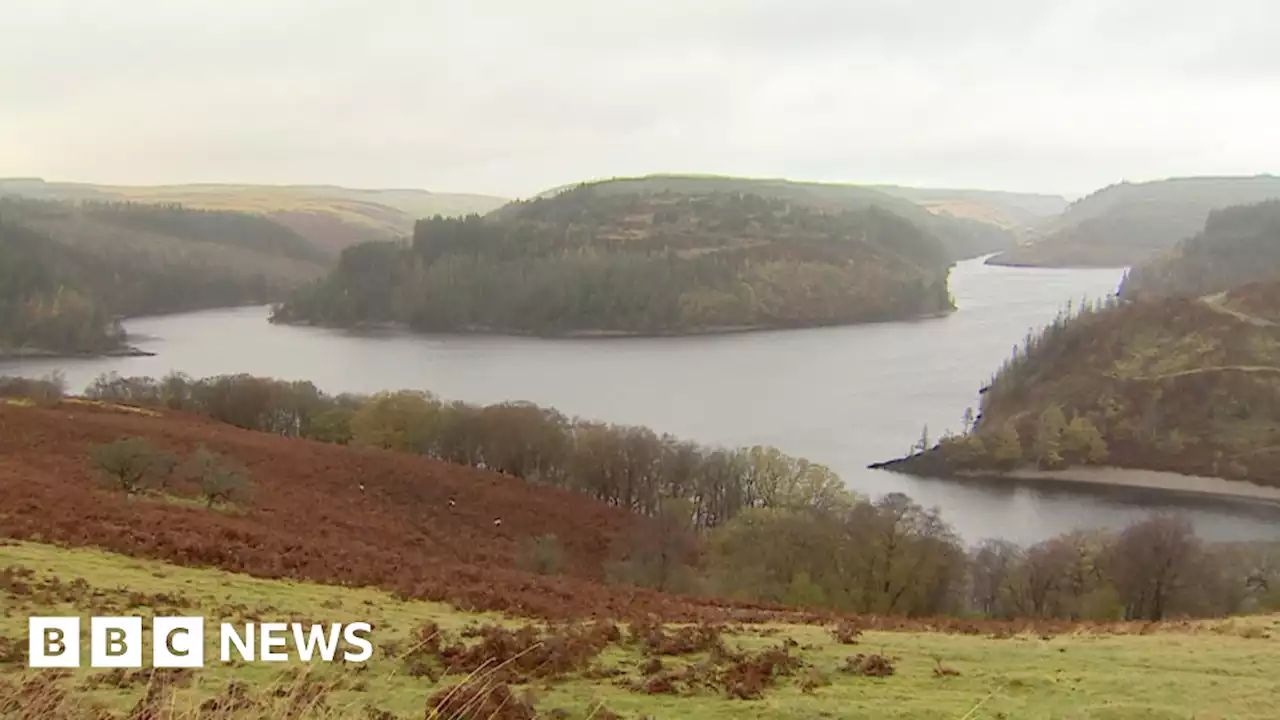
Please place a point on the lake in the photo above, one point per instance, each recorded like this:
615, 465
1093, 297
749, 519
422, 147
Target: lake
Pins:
842, 396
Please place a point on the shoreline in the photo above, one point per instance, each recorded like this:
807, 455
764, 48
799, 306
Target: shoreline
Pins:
1163, 481
400, 328
1149, 480
995, 261
45, 354
931, 466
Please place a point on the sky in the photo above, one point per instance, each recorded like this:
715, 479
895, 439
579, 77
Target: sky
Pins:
511, 97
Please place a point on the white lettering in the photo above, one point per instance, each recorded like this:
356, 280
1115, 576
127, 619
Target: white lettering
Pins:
243, 645
272, 636
353, 638
316, 637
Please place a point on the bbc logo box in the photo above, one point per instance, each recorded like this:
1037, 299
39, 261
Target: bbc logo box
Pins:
178, 642
115, 642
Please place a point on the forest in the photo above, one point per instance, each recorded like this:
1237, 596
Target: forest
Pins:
750, 523
1238, 246
40, 305
69, 271
586, 261
1185, 385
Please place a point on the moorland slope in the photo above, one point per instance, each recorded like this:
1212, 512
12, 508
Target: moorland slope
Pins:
325, 513
452, 664
969, 223
329, 216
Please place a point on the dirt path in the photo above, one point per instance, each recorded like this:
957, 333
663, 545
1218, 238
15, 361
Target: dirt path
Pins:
1215, 302
1260, 369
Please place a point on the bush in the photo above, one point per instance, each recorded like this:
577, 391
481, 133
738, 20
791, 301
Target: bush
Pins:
219, 479
543, 555
44, 391
133, 465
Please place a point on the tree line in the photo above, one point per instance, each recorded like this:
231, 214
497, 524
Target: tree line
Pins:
636, 263
627, 466
893, 557
755, 523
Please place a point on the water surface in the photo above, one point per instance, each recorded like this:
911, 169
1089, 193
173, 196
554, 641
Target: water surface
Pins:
845, 396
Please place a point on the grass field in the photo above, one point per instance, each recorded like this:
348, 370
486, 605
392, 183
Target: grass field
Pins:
1220, 669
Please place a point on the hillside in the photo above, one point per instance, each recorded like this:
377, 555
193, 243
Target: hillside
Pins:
961, 234
1238, 246
1129, 223
310, 518
617, 259
330, 217
1010, 210
1206, 669
329, 533
37, 310
74, 267
1187, 385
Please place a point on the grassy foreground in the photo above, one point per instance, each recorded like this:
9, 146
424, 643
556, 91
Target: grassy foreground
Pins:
1222, 669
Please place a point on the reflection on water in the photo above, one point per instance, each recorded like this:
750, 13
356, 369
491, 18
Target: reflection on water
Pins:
845, 396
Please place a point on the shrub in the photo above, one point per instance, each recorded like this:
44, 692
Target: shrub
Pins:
543, 555
219, 479
133, 465
44, 391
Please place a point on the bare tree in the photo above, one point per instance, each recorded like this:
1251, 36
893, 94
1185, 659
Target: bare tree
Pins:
1152, 563
991, 570
659, 552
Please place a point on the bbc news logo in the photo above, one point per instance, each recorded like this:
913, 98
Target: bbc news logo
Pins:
178, 642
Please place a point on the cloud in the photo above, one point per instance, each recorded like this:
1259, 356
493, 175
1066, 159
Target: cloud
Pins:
511, 97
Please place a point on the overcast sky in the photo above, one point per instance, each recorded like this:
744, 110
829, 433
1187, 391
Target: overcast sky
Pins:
511, 97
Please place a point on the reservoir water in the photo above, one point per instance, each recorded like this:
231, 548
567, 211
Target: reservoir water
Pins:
843, 396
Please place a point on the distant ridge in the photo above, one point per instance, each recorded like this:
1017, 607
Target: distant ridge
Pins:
330, 216
1128, 223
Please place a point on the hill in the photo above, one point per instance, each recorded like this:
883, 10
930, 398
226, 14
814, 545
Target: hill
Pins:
330, 217
72, 268
1238, 246
1129, 223
321, 512
1185, 385
1209, 669
1010, 210
617, 258
338, 534
963, 235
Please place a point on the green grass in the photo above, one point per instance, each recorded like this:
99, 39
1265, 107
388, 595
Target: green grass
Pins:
1213, 670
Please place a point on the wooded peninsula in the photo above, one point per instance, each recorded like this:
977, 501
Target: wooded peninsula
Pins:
590, 262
